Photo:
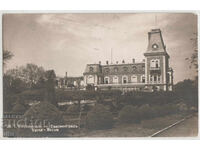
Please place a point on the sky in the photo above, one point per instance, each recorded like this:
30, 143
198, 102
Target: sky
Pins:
67, 42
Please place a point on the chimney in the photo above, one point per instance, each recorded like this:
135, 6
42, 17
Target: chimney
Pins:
65, 74
106, 62
133, 60
99, 62
123, 61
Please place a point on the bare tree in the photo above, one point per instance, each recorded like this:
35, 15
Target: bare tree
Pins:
7, 55
30, 73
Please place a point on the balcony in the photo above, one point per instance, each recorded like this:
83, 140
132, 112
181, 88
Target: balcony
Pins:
154, 68
122, 85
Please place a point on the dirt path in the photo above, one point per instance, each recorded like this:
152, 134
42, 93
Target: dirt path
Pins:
188, 128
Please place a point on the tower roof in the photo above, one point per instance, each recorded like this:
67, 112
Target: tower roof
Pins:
155, 43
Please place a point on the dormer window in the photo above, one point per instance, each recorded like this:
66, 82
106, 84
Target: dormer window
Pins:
115, 69
125, 69
134, 68
107, 70
91, 69
143, 68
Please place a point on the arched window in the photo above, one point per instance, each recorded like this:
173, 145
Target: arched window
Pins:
143, 68
90, 79
107, 70
151, 78
159, 79
115, 79
155, 78
106, 80
143, 79
134, 79
134, 68
125, 69
91, 69
124, 79
157, 63
115, 69
152, 63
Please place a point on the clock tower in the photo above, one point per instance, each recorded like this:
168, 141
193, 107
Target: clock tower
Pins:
157, 63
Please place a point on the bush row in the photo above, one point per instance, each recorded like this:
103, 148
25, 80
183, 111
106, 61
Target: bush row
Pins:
130, 113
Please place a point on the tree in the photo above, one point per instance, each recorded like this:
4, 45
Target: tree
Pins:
30, 74
12, 86
193, 60
50, 95
7, 55
187, 90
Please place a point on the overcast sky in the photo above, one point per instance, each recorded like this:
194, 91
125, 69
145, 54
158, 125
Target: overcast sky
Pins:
67, 42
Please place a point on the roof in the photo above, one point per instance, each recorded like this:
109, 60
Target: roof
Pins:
132, 68
112, 69
156, 44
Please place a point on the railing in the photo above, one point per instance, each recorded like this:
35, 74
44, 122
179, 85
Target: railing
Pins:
154, 68
114, 84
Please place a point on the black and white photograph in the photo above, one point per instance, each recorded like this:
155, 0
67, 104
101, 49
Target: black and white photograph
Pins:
100, 75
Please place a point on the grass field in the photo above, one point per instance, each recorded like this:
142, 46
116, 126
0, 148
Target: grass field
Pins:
143, 129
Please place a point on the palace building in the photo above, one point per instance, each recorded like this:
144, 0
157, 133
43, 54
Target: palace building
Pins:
153, 73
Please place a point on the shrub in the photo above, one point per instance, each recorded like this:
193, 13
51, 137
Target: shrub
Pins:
45, 111
86, 107
32, 94
155, 123
39, 114
99, 118
19, 109
147, 112
129, 114
73, 109
182, 107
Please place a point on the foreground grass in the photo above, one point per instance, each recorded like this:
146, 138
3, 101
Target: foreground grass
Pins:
143, 129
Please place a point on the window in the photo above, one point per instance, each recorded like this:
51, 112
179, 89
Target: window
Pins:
134, 78
155, 78
125, 69
115, 69
154, 46
155, 63
106, 80
107, 70
143, 68
152, 64
134, 68
124, 79
143, 79
151, 78
90, 79
158, 78
91, 69
115, 79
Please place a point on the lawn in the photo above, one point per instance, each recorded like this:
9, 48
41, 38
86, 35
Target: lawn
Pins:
143, 129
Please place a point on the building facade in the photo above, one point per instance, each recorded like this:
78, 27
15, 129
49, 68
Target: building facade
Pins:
153, 73
69, 82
